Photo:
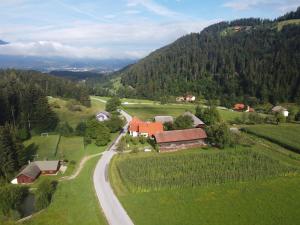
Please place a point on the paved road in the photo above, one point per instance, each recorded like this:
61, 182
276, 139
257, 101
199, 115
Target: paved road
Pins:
112, 208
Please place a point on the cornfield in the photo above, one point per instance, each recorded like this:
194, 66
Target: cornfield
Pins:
170, 171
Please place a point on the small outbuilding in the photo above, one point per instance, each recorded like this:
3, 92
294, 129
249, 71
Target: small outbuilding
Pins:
164, 119
180, 139
103, 116
280, 109
28, 174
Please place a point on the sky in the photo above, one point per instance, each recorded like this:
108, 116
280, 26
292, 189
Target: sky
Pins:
106, 29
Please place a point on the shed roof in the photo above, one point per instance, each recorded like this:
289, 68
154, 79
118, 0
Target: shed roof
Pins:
180, 135
278, 108
164, 119
31, 170
195, 119
47, 165
104, 113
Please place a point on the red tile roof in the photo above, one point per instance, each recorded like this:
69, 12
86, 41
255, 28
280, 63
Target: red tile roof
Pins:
134, 124
239, 106
151, 128
180, 135
145, 127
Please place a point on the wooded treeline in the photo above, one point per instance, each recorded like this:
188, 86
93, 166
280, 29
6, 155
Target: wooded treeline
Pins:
24, 103
230, 61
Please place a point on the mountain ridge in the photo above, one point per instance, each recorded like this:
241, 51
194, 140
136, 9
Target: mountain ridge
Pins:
227, 61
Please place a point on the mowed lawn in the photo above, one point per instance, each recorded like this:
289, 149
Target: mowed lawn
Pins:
74, 117
167, 194
46, 146
74, 202
149, 111
287, 134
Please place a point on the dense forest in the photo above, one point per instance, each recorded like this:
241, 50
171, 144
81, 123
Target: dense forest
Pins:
247, 58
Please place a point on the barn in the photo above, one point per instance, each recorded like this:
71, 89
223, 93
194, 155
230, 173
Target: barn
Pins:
180, 139
28, 174
48, 167
33, 170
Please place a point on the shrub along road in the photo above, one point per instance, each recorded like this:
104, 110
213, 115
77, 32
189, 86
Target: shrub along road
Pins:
112, 208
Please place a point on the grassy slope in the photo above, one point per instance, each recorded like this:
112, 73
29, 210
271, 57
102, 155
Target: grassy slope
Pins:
265, 202
287, 134
281, 24
46, 146
73, 118
74, 202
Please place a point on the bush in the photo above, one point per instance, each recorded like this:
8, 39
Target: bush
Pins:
80, 129
23, 134
121, 147
219, 135
256, 118
112, 104
44, 193
183, 122
65, 129
11, 197
115, 124
142, 140
297, 116
209, 115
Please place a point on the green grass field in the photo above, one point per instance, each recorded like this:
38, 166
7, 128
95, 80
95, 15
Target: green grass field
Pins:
74, 117
147, 112
74, 202
184, 187
46, 146
287, 135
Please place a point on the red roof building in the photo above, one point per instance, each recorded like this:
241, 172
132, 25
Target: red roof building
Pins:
141, 128
180, 139
239, 107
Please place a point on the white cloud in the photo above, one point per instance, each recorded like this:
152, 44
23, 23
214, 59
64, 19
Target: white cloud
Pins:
152, 6
50, 48
104, 39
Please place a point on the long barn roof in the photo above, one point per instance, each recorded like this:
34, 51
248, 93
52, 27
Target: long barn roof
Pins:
180, 135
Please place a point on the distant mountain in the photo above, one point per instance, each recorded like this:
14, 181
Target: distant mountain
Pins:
47, 64
250, 60
3, 42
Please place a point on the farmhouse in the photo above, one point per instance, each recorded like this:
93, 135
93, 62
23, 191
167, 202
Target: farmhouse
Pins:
280, 109
33, 170
103, 116
186, 98
242, 108
197, 123
145, 129
180, 139
164, 119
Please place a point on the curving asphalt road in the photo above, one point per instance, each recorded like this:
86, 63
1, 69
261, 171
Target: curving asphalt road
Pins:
112, 208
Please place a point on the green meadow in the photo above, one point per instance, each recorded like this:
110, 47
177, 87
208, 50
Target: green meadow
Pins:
46, 146
74, 117
287, 135
149, 111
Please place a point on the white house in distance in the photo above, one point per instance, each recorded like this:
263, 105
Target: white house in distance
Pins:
103, 116
280, 109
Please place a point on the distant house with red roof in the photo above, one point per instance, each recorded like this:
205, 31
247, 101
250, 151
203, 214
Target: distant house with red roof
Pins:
242, 108
180, 139
138, 127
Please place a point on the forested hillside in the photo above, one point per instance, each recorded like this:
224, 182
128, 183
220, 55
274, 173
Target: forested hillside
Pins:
230, 61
